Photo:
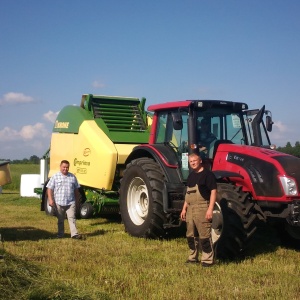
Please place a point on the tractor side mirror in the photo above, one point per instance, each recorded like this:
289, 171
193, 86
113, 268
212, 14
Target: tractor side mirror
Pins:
177, 121
269, 123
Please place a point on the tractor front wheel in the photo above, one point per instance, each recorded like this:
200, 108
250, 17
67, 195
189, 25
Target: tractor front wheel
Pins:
141, 200
234, 221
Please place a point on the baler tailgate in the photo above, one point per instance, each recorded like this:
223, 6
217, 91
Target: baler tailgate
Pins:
119, 115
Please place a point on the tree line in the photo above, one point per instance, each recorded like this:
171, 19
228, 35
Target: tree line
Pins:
289, 149
32, 160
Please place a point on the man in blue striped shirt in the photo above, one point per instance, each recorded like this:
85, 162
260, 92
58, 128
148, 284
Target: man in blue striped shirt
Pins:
63, 190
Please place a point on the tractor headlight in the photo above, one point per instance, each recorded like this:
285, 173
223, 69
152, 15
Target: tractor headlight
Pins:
289, 186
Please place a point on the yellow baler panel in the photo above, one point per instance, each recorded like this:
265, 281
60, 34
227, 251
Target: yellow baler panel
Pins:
96, 159
62, 147
123, 151
92, 155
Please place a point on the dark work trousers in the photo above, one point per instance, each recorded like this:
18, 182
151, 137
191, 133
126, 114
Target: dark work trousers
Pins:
198, 231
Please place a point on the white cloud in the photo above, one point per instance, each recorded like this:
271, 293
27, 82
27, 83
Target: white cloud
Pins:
29, 140
98, 84
8, 134
28, 132
50, 116
15, 98
278, 125
281, 134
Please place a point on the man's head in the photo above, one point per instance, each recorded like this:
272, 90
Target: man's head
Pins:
64, 167
204, 124
195, 162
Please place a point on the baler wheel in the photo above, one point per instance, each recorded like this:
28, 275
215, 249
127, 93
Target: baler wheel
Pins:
86, 210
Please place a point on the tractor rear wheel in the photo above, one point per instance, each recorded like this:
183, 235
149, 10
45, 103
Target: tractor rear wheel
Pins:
234, 221
141, 199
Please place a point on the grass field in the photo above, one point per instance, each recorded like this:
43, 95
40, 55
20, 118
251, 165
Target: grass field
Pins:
110, 264
16, 171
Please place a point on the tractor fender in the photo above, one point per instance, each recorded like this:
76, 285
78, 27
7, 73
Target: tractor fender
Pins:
167, 160
164, 156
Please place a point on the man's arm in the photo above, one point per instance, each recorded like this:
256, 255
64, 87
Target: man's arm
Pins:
50, 196
183, 212
212, 201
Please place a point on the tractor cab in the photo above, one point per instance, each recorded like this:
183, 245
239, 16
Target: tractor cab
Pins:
201, 126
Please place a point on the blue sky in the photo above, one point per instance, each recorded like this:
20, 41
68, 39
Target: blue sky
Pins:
54, 51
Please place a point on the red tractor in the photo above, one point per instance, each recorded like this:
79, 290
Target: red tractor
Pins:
255, 183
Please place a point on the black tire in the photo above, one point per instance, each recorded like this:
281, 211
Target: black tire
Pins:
79, 202
141, 199
234, 221
86, 210
289, 235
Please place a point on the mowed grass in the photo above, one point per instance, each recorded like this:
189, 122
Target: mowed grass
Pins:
110, 264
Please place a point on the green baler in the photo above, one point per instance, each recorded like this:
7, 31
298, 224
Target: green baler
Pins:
96, 138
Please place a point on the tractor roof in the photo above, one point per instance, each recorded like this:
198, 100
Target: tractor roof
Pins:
198, 103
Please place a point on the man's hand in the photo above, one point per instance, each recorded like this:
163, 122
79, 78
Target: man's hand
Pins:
51, 202
209, 214
183, 214
212, 201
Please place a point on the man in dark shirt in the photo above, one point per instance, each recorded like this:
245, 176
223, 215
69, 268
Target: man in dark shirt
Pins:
206, 137
197, 211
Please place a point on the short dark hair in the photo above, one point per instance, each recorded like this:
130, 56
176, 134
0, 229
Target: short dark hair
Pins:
64, 161
204, 121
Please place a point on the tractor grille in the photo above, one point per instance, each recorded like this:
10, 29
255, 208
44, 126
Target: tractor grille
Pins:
119, 115
291, 164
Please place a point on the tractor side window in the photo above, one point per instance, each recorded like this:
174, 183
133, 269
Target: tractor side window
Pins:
177, 139
234, 131
161, 129
167, 134
181, 136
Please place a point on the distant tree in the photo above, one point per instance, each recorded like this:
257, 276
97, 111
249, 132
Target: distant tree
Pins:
297, 149
25, 160
289, 149
4, 159
34, 159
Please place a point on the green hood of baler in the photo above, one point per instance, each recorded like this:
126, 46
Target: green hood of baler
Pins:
121, 119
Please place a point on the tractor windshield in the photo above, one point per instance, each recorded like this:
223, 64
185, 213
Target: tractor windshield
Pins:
242, 128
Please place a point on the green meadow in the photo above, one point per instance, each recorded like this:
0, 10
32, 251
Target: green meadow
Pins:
110, 264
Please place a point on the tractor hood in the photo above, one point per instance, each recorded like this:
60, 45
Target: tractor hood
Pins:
262, 170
